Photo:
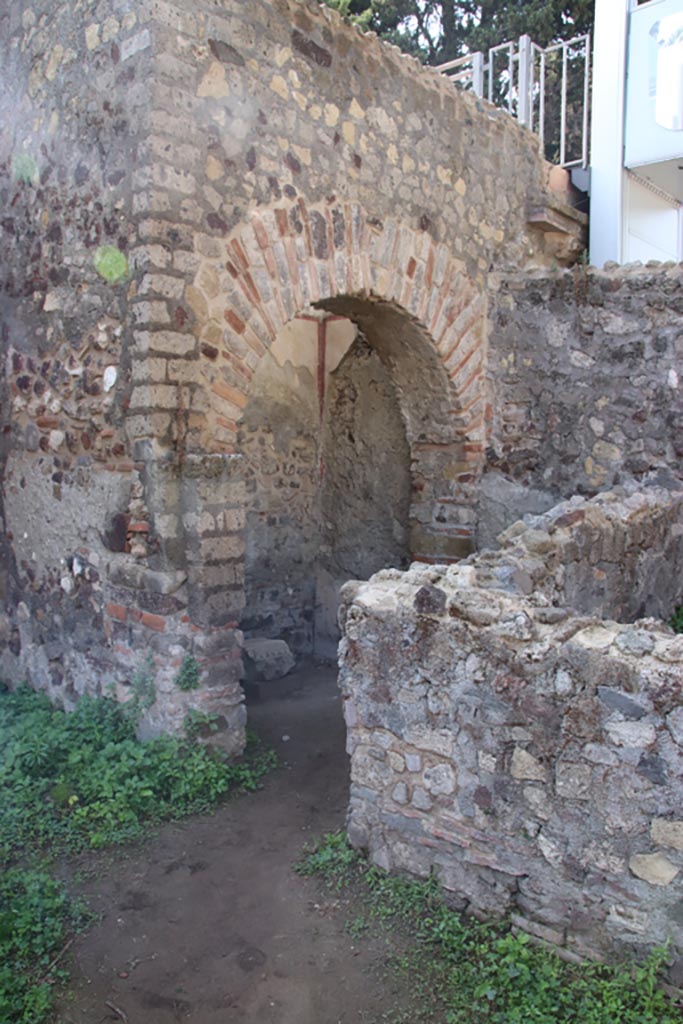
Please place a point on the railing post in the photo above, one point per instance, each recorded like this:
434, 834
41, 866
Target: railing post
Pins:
541, 107
524, 80
478, 73
526, 89
563, 109
586, 100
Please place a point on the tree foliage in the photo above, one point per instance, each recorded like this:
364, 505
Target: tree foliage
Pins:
440, 30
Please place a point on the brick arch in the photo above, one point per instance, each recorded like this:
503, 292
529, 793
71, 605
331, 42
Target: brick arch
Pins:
334, 255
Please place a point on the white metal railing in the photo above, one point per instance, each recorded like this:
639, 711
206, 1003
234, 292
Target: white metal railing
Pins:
545, 88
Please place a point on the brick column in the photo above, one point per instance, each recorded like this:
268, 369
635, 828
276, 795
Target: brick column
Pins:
184, 601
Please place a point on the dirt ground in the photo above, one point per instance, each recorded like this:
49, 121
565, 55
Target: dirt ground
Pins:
208, 922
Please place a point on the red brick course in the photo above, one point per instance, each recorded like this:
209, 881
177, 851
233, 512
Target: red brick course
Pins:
331, 249
155, 622
117, 611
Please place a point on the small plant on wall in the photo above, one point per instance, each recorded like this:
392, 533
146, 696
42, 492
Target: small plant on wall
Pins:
188, 676
199, 724
676, 620
143, 691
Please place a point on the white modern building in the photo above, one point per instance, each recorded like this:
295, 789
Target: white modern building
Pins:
636, 155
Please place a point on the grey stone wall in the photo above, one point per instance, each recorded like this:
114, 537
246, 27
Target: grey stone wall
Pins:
281, 438
95, 592
280, 99
585, 373
67, 145
365, 487
529, 753
621, 558
366, 470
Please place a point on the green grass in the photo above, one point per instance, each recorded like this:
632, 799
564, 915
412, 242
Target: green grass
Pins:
37, 921
676, 620
462, 971
78, 781
82, 780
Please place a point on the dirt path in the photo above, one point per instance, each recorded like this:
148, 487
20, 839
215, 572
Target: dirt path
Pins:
208, 922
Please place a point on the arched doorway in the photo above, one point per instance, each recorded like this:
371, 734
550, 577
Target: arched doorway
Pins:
327, 474
423, 322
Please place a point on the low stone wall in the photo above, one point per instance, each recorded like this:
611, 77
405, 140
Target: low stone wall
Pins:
619, 555
528, 753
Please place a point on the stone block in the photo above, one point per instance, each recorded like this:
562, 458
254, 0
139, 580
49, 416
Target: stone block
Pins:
621, 702
631, 734
421, 799
573, 781
654, 868
125, 572
525, 766
635, 642
399, 793
266, 659
667, 833
440, 779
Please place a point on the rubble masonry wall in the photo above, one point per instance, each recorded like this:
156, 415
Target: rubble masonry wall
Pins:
529, 753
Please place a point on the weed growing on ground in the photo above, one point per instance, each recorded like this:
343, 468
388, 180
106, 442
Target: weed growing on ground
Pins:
37, 920
79, 780
258, 760
676, 620
83, 780
463, 971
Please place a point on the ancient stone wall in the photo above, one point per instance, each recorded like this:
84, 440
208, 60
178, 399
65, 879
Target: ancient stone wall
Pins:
280, 432
366, 471
94, 599
529, 753
178, 184
620, 559
365, 484
305, 163
585, 367
69, 480
327, 470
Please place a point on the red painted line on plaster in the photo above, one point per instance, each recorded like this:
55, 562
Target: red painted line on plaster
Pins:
322, 347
